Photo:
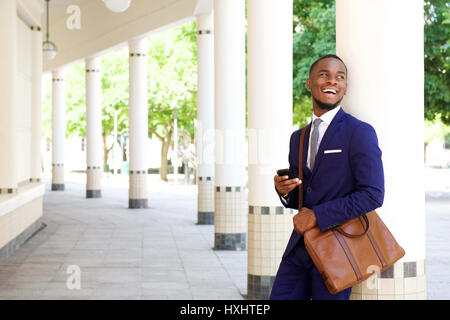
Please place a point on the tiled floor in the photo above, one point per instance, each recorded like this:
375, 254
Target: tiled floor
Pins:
154, 253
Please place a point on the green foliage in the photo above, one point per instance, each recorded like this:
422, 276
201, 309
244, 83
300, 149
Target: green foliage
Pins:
172, 85
314, 36
115, 91
172, 80
437, 44
75, 87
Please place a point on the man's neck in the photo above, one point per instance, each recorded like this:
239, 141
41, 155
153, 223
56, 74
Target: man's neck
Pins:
318, 112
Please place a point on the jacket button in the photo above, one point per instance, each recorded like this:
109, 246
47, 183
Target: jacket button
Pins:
309, 189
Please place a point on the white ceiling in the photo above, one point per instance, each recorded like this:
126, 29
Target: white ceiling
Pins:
58, 8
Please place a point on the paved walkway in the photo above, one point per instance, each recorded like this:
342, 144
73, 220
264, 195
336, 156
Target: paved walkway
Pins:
437, 184
159, 252
154, 253
437, 249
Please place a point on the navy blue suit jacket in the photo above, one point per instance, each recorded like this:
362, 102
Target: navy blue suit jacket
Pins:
342, 185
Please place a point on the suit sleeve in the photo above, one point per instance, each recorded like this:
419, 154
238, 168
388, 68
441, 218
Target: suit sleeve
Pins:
292, 201
367, 171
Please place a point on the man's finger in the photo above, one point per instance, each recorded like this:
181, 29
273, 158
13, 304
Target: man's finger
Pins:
281, 178
291, 182
287, 188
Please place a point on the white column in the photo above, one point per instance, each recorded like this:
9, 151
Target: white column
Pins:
205, 118
58, 129
385, 60
269, 39
138, 123
8, 70
36, 104
230, 209
94, 154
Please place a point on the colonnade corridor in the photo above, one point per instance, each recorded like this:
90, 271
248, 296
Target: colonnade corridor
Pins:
159, 252
68, 235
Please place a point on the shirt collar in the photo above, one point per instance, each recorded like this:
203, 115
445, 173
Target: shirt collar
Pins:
328, 116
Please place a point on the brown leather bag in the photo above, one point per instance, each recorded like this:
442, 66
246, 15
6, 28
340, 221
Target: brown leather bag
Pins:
350, 253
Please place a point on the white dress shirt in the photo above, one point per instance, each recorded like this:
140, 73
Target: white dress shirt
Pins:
326, 118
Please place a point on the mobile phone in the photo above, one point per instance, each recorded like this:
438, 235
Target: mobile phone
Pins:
285, 172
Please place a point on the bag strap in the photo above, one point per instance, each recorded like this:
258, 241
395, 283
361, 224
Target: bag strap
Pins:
300, 169
300, 190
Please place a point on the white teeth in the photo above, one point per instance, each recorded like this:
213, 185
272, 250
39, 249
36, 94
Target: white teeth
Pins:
330, 90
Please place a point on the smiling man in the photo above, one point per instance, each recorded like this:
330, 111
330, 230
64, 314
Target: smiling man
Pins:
342, 178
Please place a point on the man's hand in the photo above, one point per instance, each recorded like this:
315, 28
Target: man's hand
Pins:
304, 220
285, 186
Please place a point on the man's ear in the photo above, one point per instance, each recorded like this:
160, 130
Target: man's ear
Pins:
308, 84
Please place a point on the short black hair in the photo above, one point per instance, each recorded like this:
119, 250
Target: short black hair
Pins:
325, 57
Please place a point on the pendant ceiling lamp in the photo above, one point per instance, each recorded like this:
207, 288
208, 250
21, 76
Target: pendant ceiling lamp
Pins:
48, 47
117, 5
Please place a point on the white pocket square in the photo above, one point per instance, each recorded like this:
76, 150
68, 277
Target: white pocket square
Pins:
332, 151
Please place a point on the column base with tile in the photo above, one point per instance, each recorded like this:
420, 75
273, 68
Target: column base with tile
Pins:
402, 281
94, 182
57, 177
206, 200
230, 225
269, 229
138, 196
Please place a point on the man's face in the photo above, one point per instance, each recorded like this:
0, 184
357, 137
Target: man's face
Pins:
328, 83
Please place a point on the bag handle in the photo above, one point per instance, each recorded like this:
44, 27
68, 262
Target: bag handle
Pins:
362, 217
300, 190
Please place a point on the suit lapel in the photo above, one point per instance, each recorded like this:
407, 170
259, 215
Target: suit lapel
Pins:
329, 134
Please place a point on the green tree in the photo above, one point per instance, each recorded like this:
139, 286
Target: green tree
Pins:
437, 43
114, 97
314, 36
74, 78
114, 69
172, 85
